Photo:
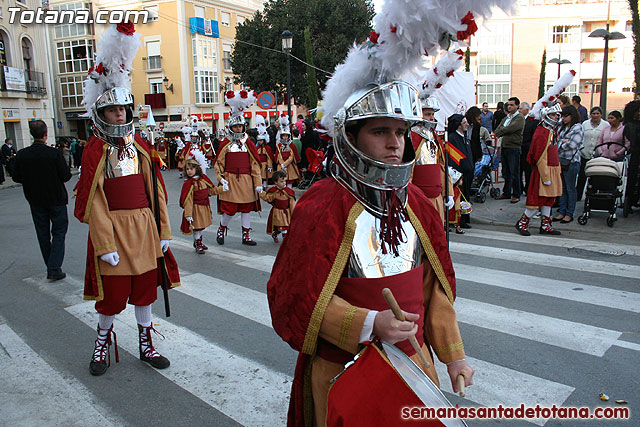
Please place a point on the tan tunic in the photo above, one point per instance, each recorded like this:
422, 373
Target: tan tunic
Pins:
201, 214
293, 174
266, 167
130, 232
440, 331
241, 187
438, 201
279, 217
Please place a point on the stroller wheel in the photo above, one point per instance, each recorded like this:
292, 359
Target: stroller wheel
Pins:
481, 197
610, 221
582, 219
494, 192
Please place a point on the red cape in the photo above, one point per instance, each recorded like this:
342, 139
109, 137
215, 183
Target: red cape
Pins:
299, 292
416, 139
186, 189
93, 161
294, 150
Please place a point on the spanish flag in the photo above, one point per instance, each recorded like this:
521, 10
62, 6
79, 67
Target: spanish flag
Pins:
155, 157
455, 154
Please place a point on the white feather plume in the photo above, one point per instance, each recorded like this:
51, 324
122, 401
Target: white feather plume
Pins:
551, 96
112, 64
240, 101
199, 157
406, 30
437, 76
261, 127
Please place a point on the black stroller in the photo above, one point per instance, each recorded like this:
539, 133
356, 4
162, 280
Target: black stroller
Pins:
483, 182
605, 176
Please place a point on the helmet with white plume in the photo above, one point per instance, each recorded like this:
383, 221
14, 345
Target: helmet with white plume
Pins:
548, 104
107, 84
545, 116
261, 127
196, 157
238, 101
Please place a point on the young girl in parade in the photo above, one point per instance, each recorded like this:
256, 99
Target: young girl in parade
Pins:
264, 151
283, 200
287, 156
194, 199
454, 214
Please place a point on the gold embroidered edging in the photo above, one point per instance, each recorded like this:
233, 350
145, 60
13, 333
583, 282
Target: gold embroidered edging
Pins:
447, 349
94, 184
347, 320
311, 336
431, 254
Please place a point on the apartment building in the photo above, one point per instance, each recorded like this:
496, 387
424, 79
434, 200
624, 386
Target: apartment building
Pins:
25, 93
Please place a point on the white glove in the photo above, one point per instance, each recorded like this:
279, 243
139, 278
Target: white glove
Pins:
270, 169
224, 181
112, 258
259, 189
284, 168
449, 203
189, 218
546, 182
225, 187
164, 244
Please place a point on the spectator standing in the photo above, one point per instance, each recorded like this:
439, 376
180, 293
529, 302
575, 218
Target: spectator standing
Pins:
8, 155
575, 101
74, 149
42, 171
486, 117
299, 123
457, 130
510, 130
530, 125
632, 133
592, 129
564, 101
66, 152
498, 115
273, 131
296, 140
473, 116
570, 136
613, 133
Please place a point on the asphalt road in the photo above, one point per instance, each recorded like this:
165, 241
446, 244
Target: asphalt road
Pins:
545, 320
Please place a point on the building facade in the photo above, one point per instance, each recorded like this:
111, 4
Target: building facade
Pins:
507, 51
25, 93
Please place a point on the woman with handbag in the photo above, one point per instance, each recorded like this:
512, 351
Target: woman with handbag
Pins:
569, 140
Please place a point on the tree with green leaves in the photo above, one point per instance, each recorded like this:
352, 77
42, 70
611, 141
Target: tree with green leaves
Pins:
635, 28
543, 75
333, 26
467, 60
312, 78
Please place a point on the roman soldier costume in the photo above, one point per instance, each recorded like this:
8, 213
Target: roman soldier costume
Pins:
113, 195
265, 154
238, 166
287, 156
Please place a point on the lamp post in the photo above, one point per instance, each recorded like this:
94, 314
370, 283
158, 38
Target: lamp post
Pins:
606, 35
287, 43
227, 84
559, 60
593, 88
477, 84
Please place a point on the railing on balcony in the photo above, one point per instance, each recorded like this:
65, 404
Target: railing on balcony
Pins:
19, 80
152, 63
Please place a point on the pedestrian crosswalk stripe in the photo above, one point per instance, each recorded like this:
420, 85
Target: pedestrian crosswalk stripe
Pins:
498, 384
549, 330
243, 389
628, 345
246, 259
605, 297
591, 245
541, 259
34, 393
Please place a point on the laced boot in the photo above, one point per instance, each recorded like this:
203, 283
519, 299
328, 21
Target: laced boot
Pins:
205, 247
222, 231
274, 235
199, 247
101, 358
523, 225
546, 228
246, 238
148, 353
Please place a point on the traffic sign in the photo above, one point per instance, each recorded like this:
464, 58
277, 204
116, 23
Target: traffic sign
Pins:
59, 125
266, 100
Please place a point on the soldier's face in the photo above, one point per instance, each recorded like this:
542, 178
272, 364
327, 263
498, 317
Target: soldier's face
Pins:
115, 114
237, 128
428, 114
382, 139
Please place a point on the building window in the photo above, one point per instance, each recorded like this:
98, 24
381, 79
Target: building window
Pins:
568, 34
226, 58
198, 11
155, 86
225, 19
239, 20
27, 54
153, 13
627, 89
494, 56
68, 29
206, 87
494, 63
628, 26
71, 91
154, 60
492, 93
74, 56
204, 52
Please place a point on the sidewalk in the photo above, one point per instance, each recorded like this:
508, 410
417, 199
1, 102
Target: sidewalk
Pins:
9, 183
503, 212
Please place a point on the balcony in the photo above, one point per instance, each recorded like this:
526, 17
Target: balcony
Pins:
155, 100
591, 42
152, 64
591, 70
20, 80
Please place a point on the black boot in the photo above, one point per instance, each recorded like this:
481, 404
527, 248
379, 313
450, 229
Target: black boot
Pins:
523, 225
246, 238
101, 359
546, 228
222, 231
147, 352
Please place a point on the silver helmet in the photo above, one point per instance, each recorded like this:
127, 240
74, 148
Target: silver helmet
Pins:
366, 177
236, 120
113, 133
429, 103
545, 113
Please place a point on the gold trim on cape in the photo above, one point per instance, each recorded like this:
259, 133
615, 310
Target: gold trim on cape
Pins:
347, 320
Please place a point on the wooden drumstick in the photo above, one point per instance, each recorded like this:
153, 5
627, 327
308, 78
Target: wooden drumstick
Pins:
460, 380
395, 308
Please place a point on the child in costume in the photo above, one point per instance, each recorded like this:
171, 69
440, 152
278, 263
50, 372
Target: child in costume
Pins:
264, 151
287, 156
194, 199
454, 214
283, 200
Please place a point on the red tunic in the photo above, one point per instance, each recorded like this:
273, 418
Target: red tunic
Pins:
542, 146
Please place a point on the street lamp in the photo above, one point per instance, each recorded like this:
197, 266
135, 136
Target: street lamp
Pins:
227, 83
606, 35
593, 88
559, 61
287, 43
166, 84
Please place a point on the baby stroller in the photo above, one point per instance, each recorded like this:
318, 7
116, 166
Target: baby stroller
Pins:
605, 176
315, 169
482, 181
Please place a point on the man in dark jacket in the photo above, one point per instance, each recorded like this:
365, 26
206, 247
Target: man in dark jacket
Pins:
510, 130
530, 126
42, 171
457, 129
8, 155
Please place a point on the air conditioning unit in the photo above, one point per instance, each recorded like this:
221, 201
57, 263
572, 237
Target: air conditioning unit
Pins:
32, 86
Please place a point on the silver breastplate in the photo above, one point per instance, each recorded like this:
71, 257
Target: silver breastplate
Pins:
429, 150
238, 146
367, 260
127, 165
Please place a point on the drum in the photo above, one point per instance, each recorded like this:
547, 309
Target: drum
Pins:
383, 386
